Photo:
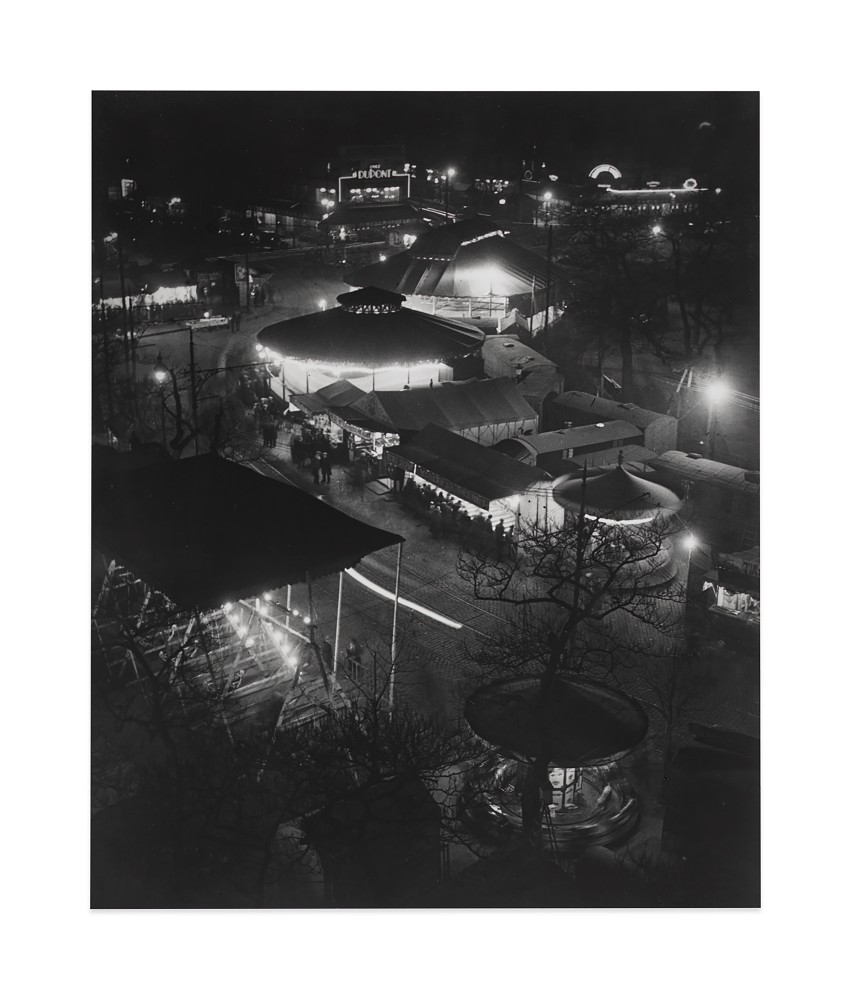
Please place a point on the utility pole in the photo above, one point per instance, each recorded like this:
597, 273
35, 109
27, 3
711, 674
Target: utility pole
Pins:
547, 292
193, 390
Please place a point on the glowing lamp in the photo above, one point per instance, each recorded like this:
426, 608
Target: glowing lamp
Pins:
690, 542
547, 196
322, 304
227, 607
307, 620
160, 372
267, 596
451, 171
207, 315
657, 230
718, 392
382, 256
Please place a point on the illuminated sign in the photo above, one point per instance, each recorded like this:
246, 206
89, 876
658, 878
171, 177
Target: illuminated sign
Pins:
605, 168
374, 173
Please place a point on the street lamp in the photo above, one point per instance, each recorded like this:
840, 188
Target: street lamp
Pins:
547, 198
657, 230
447, 178
161, 374
718, 391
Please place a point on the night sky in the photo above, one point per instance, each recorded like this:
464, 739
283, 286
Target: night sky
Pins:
240, 143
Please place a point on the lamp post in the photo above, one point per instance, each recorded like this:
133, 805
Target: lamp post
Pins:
546, 197
161, 374
717, 392
447, 178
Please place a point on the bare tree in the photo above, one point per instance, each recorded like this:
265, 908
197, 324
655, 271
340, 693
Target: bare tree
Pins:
578, 598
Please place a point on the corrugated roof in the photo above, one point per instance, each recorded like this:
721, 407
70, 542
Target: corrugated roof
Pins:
189, 528
470, 404
340, 337
469, 465
608, 409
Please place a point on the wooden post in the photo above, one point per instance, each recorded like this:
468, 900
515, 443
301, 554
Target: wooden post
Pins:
338, 624
394, 627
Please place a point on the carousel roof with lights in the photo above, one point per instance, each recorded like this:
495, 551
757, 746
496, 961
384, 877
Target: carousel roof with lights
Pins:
616, 494
581, 724
370, 328
205, 530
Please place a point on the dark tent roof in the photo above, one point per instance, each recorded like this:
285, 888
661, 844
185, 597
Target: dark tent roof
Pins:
204, 530
467, 464
365, 332
450, 405
582, 724
616, 494
355, 215
340, 393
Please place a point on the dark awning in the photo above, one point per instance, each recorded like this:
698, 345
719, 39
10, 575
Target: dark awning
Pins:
205, 531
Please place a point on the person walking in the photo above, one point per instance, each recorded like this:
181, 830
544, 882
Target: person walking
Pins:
326, 467
316, 459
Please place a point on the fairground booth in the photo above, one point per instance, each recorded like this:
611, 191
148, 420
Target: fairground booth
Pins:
633, 519
203, 580
483, 411
475, 479
733, 591
370, 340
580, 729
470, 270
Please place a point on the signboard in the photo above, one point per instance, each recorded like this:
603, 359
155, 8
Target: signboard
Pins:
375, 173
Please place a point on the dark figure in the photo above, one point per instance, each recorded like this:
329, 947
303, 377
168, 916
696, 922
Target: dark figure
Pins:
354, 659
500, 538
328, 655
326, 467
316, 460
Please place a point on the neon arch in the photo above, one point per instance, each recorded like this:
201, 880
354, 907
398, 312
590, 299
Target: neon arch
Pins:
605, 168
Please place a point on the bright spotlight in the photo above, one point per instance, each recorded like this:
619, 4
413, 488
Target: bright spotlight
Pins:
718, 391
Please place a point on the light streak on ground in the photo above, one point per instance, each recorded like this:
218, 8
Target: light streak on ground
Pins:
370, 585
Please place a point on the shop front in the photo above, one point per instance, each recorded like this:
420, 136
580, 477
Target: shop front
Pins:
733, 595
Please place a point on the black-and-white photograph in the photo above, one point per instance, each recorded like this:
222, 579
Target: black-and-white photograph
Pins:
425, 499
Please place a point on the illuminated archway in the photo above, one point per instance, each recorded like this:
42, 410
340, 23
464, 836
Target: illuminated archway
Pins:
605, 168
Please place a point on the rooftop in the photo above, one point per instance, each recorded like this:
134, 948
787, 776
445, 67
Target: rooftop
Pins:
204, 530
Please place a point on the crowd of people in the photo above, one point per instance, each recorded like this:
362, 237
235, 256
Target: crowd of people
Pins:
315, 450
447, 518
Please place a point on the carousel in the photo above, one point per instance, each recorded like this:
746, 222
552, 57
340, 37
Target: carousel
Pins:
371, 341
631, 520
581, 729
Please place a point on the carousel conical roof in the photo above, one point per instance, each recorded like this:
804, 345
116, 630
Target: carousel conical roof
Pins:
617, 494
582, 724
371, 328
